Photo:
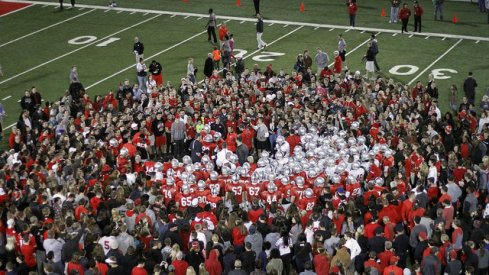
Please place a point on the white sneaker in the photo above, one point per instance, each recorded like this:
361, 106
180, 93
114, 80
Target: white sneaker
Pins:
390, 21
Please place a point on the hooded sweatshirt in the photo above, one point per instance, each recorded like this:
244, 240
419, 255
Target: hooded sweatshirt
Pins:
212, 264
256, 241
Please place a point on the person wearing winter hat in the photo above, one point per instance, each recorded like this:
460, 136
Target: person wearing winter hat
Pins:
255, 239
421, 246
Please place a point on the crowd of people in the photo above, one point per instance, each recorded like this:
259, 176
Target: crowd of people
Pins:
249, 171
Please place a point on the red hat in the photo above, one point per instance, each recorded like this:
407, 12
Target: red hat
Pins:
394, 259
423, 236
453, 254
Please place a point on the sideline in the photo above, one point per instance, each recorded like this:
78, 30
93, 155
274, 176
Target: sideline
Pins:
79, 49
45, 28
434, 62
14, 11
247, 19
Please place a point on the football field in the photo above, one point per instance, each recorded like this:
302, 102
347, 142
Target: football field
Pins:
39, 44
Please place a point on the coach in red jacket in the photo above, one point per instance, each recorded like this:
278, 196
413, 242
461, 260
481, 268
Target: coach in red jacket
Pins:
404, 15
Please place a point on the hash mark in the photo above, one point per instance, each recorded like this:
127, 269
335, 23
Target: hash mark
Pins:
427, 37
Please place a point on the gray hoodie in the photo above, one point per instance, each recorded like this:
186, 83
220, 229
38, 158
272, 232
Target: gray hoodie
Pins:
256, 241
54, 245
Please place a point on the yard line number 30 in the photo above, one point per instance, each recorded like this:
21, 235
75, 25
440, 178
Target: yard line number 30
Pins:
411, 69
85, 39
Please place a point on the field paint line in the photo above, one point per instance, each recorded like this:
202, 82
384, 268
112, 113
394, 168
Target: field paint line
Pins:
17, 10
411, 35
331, 29
271, 24
427, 37
444, 38
362, 32
242, 22
395, 34
173, 16
285, 26
79, 49
347, 30
80, 9
43, 6
200, 18
46, 28
227, 21
7, 97
186, 17
146, 14
274, 41
436, 60
356, 48
280, 22
316, 28
120, 11
259, 50
150, 57
477, 42
133, 12
107, 11
10, 126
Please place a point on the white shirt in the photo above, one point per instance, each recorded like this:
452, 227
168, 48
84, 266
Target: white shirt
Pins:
283, 249
105, 243
354, 247
221, 157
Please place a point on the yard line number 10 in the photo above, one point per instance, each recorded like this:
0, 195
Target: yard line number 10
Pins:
85, 39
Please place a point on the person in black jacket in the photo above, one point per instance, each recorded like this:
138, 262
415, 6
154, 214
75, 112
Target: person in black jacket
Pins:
138, 49
248, 258
469, 88
377, 243
401, 245
209, 65
259, 32
194, 256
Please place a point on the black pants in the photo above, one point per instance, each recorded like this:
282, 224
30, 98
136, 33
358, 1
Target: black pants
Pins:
211, 31
257, 6
352, 20
417, 23
179, 149
60, 4
404, 25
343, 55
73, 3
377, 68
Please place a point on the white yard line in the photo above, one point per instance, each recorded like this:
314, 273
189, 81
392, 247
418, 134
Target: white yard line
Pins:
79, 49
107, 11
14, 11
285, 26
477, 42
150, 57
7, 97
347, 30
200, 18
411, 35
427, 37
10, 126
274, 41
271, 24
186, 17
120, 11
242, 22
394, 34
316, 28
331, 29
80, 9
133, 12
46, 28
281, 22
145, 13
444, 38
434, 62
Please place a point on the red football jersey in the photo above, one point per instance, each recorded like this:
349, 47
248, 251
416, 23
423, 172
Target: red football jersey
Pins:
168, 193
213, 201
269, 198
253, 191
237, 189
202, 196
184, 200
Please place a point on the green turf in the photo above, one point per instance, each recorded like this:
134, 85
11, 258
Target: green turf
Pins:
163, 32
471, 21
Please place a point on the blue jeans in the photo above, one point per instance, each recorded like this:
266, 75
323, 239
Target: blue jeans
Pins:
394, 12
142, 82
439, 8
352, 20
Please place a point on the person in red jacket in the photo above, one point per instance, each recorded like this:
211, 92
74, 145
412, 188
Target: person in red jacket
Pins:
338, 63
139, 269
352, 11
418, 12
212, 264
322, 262
180, 265
404, 15
393, 268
